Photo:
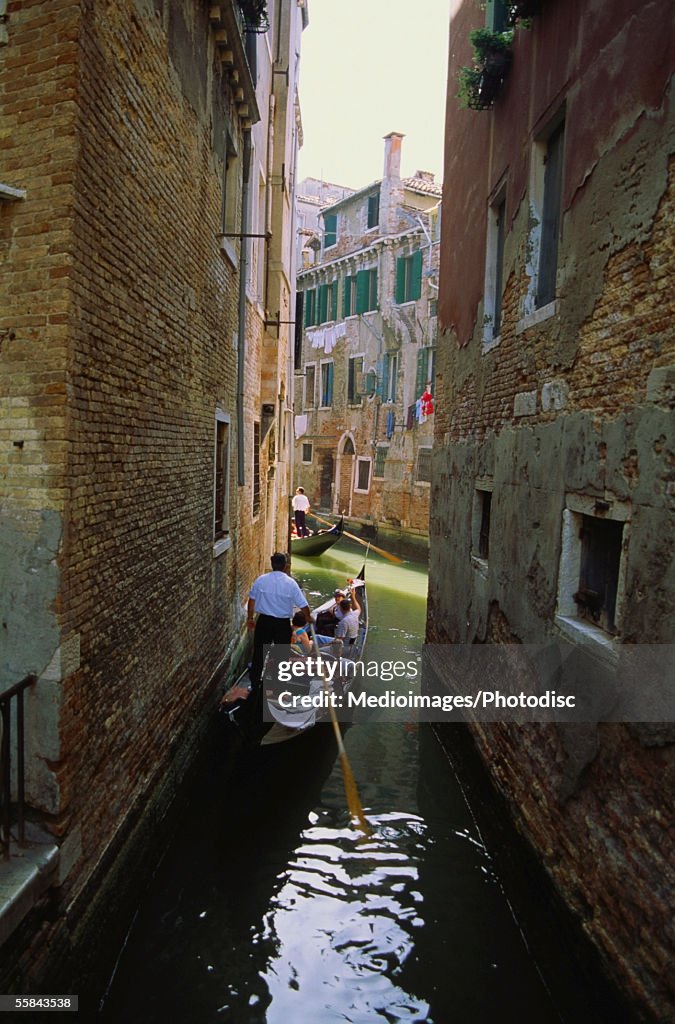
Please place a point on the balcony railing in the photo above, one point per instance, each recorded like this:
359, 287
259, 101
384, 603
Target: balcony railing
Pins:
13, 694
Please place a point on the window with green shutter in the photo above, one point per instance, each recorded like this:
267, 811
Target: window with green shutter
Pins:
330, 230
409, 277
310, 308
323, 304
366, 290
426, 370
349, 296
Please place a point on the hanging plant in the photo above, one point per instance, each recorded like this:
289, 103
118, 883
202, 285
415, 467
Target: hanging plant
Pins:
480, 84
256, 17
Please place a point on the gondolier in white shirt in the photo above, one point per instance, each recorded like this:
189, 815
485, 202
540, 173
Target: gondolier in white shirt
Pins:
300, 509
274, 596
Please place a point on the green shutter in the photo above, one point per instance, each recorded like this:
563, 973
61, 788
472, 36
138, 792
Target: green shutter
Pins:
400, 279
416, 276
329, 384
330, 230
346, 293
323, 303
333, 300
362, 291
309, 308
382, 375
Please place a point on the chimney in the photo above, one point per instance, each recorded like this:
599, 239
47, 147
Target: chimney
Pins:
392, 155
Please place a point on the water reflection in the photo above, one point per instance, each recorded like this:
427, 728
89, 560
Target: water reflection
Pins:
359, 904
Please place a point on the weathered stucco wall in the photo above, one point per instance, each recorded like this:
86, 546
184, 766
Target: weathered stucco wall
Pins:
572, 405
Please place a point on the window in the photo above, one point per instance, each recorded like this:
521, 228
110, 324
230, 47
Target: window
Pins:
550, 217
326, 384
380, 459
497, 15
349, 296
599, 570
330, 230
373, 218
494, 269
327, 302
306, 452
390, 377
363, 475
592, 566
480, 522
230, 202
221, 503
259, 246
409, 277
310, 307
423, 467
310, 386
425, 371
256, 469
354, 372
366, 290
485, 505
433, 307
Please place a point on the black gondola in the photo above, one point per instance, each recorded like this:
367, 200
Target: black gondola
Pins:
287, 725
308, 547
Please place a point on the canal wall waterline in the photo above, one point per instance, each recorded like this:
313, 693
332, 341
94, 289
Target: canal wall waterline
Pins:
72, 947
528, 884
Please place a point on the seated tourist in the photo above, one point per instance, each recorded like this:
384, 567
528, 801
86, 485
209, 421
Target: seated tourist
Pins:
301, 638
348, 626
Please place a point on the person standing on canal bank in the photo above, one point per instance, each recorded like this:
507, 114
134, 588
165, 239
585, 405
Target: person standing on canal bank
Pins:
273, 596
300, 510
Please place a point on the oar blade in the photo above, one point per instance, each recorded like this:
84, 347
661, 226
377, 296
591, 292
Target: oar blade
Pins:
353, 800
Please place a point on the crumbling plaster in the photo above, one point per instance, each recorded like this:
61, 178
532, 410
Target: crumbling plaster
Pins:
533, 468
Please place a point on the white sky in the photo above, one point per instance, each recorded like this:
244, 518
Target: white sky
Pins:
367, 68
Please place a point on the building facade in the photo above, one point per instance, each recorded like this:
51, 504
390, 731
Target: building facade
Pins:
313, 196
552, 492
148, 243
365, 358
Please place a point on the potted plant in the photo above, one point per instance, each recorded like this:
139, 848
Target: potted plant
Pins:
480, 84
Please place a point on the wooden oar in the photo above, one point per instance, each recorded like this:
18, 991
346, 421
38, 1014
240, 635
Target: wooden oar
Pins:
364, 543
351, 792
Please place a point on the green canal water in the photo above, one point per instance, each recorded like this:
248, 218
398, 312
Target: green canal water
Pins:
269, 908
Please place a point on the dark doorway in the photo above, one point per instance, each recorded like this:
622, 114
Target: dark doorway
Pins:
326, 481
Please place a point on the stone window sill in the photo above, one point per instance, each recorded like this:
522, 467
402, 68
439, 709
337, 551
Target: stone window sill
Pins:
220, 546
538, 316
228, 250
582, 632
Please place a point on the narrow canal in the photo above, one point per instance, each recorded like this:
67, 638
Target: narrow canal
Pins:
269, 907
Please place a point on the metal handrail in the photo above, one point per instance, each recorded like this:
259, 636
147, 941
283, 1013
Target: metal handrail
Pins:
16, 691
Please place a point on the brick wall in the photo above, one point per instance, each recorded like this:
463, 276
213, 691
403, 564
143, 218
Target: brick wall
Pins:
119, 312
